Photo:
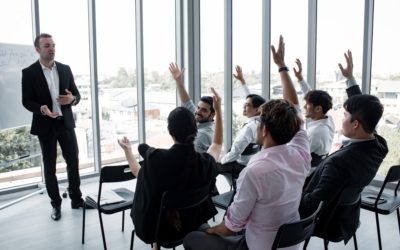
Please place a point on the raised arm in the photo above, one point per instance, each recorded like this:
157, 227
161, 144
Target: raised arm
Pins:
289, 93
305, 88
177, 75
352, 87
216, 146
133, 164
239, 77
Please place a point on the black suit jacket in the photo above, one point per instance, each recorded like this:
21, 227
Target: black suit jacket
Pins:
353, 166
35, 93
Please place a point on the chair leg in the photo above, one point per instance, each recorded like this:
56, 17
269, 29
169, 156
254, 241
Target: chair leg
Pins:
132, 238
379, 231
102, 231
306, 243
355, 241
123, 220
398, 217
326, 242
83, 222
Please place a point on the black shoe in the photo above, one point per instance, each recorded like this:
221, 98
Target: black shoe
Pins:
79, 204
56, 213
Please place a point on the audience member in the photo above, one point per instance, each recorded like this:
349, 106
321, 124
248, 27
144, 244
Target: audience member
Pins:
354, 165
177, 168
204, 113
235, 160
320, 126
269, 188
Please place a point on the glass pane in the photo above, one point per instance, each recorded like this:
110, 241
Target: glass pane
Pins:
116, 54
295, 36
212, 45
20, 158
246, 54
336, 35
159, 51
386, 76
67, 22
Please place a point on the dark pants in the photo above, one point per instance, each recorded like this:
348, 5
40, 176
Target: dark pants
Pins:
69, 147
201, 240
230, 170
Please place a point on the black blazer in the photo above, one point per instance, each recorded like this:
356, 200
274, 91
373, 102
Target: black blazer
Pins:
35, 93
353, 166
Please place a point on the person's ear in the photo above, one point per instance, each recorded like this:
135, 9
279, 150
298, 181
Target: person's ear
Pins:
318, 108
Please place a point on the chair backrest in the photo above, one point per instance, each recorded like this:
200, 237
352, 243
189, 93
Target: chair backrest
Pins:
392, 176
251, 149
181, 200
116, 173
290, 234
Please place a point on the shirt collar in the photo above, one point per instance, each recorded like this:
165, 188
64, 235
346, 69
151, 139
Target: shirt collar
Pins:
44, 67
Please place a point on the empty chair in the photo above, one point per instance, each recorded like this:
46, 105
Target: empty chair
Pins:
383, 201
116, 200
290, 234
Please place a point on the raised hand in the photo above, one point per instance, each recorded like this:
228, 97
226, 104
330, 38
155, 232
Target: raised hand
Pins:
298, 73
125, 143
279, 55
348, 71
239, 75
216, 100
175, 71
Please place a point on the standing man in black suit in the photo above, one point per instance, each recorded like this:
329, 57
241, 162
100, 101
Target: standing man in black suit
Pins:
49, 91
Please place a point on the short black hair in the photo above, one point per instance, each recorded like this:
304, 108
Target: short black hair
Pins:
366, 109
42, 35
182, 125
209, 101
256, 100
281, 119
319, 98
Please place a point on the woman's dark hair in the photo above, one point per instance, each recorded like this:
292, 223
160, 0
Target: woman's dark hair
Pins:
366, 109
182, 125
281, 119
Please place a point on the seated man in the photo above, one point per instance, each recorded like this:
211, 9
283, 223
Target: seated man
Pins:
177, 168
204, 113
354, 164
235, 160
320, 126
269, 187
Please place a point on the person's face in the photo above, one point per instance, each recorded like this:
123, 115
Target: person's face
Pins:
46, 49
248, 109
310, 111
203, 112
259, 132
348, 126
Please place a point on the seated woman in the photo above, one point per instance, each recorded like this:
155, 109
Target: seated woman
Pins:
177, 168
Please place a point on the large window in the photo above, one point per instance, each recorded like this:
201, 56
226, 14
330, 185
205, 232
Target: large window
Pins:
67, 22
159, 51
336, 35
246, 54
116, 56
386, 76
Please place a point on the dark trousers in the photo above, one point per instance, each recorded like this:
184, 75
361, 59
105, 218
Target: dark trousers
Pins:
230, 170
198, 240
69, 147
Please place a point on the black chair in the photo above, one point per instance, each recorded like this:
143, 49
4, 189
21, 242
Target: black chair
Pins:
290, 234
110, 174
349, 196
381, 202
178, 201
224, 200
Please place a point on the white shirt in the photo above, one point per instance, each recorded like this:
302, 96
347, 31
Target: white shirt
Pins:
53, 82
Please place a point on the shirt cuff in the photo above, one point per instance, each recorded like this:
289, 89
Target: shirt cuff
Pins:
351, 82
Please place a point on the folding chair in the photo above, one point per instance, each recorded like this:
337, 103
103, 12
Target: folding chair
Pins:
109, 174
346, 197
180, 201
290, 234
381, 202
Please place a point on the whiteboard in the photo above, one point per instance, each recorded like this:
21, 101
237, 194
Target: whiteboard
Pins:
13, 58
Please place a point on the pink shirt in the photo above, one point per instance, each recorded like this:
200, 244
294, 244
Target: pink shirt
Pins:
269, 191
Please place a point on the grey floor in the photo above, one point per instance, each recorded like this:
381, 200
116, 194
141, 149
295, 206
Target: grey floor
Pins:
27, 225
